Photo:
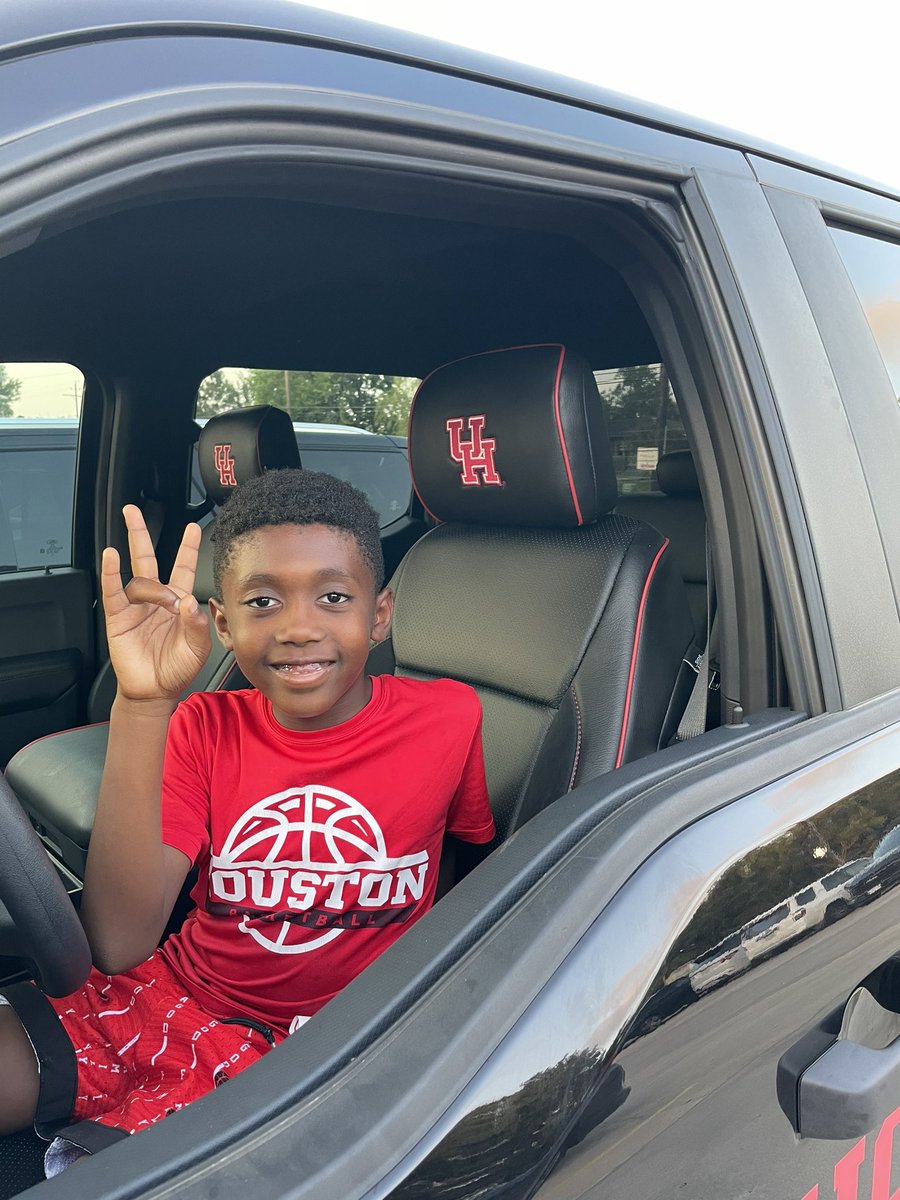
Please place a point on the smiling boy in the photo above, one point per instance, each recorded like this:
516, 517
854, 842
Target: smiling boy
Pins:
314, 803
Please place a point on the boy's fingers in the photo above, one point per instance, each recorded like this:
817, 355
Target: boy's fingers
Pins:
151, 591
195, 625
195, 628
184, 571
140, 544
114, 598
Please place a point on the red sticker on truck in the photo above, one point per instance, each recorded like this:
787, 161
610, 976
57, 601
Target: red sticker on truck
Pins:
846, 1171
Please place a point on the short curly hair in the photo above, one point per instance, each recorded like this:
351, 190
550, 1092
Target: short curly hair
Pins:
296, 497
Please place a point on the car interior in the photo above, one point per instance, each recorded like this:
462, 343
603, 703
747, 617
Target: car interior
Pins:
579, 611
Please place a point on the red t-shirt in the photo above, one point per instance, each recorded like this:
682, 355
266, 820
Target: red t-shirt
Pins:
315, 850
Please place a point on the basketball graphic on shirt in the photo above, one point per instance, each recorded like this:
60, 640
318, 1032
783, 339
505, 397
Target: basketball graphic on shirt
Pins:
307, 856
329, 826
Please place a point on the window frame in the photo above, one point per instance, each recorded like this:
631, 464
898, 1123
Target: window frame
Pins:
854, 357
834, 534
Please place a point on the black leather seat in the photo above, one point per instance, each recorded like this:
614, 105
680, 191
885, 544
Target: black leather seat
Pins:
677, 512
570, 620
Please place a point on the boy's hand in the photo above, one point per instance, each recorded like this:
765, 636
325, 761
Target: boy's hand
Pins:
158, 634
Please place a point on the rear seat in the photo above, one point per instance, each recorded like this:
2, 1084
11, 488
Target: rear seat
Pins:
677, 512
57, 778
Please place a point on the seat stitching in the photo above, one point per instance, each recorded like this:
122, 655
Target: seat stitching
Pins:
578, 737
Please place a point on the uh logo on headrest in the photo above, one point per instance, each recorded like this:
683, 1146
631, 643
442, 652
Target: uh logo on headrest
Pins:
476, 456
225, 465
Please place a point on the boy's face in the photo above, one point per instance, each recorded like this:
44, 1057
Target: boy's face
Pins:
299, 609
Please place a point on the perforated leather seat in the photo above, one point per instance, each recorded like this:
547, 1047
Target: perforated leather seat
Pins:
571, 621
677, 512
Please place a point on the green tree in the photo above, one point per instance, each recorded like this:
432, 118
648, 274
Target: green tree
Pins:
220, 393
392, 407
379, 403
9, 392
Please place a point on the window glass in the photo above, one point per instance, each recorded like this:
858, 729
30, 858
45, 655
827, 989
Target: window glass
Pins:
874, 268
39, 407
644, 423
382, 474
349, 425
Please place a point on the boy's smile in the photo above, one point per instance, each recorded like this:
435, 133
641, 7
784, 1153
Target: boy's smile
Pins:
300, 611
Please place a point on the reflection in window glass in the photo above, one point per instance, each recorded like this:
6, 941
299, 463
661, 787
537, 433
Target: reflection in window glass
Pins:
644, 423
874, 268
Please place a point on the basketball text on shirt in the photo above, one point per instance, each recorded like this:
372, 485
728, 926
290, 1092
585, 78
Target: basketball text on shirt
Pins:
311, 858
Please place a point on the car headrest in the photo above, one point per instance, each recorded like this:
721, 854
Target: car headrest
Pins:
512, 437
236, 446
677, 475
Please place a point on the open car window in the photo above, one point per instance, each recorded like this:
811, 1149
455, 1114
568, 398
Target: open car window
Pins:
644, 423
349, 425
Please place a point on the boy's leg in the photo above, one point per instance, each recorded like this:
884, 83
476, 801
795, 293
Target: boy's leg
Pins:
18, 1074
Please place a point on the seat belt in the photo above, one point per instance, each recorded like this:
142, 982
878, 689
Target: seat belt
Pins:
693, 720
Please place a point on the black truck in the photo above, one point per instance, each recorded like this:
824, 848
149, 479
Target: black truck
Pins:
681, 616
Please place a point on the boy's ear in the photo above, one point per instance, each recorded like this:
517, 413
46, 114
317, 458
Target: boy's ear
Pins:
221, 623
384, 611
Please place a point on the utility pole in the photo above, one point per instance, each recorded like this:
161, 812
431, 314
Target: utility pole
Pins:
662, 410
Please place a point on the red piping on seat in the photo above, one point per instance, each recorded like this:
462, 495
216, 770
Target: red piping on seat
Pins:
634, 651
220, 686
562, 436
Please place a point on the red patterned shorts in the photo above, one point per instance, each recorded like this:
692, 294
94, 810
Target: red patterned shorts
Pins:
145, 1048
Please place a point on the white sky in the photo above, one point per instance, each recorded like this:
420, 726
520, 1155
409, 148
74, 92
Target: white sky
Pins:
815, 79
48, 389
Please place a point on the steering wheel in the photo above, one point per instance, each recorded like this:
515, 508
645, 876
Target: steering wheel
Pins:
37, 918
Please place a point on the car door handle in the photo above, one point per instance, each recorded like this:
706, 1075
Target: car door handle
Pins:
833, 1087
848, 1091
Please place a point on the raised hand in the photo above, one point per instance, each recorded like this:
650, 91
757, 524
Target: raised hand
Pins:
158, 634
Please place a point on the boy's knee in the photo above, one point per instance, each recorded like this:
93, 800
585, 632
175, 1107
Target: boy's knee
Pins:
18, 1074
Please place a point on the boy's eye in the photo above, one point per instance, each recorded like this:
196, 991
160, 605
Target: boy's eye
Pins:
260, 601
334, 598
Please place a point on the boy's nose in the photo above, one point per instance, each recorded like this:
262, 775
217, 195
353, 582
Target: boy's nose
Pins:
300, 623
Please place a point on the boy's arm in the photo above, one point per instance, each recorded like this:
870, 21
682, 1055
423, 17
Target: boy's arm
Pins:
132, 879
158, 640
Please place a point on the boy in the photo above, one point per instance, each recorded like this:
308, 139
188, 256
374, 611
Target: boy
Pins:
314, 803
